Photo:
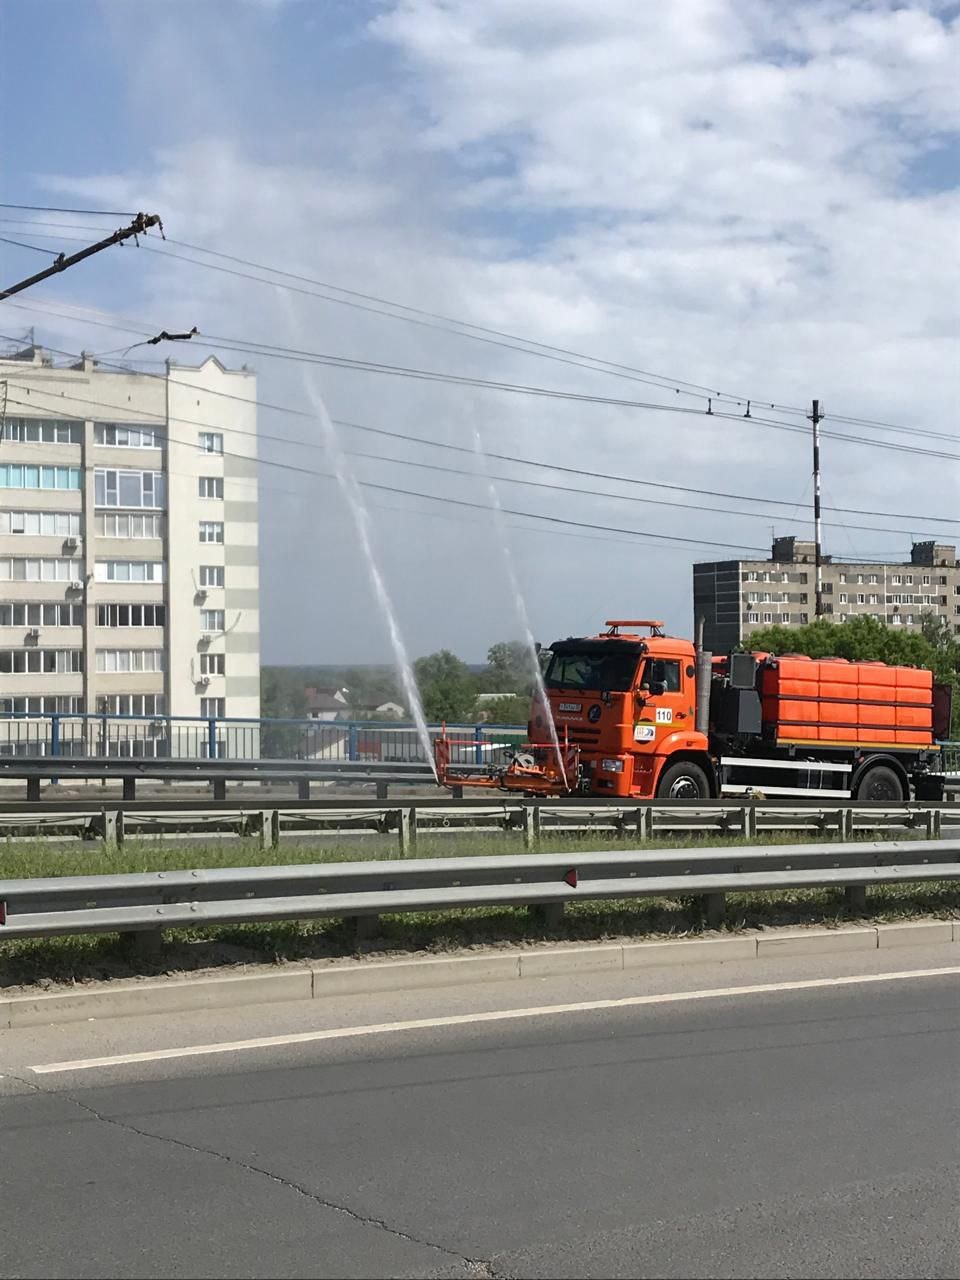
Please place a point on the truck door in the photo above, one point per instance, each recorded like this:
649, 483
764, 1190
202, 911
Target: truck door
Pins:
667, 704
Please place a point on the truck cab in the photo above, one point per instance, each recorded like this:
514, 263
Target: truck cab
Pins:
628, 703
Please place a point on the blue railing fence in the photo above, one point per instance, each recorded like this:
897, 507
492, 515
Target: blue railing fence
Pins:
199, 737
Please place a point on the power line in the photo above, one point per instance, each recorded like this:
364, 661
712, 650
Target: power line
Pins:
35, 247
249, 347
503, 338
474, 475
545, 465
657, 538
530, 346
47, 208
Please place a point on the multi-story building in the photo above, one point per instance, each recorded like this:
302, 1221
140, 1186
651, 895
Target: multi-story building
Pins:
128, 541
737, 597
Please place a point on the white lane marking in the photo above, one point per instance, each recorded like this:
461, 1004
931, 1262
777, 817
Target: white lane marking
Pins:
494, 1015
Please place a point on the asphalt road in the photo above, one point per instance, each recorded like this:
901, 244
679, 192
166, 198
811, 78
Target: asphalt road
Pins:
774, 1133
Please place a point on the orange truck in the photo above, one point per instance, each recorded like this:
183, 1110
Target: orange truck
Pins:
646, 715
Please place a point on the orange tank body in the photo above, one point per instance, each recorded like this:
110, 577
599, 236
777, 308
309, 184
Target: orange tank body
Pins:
831, 701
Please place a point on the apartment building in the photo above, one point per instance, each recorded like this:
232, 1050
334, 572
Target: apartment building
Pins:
128, 541
737, 597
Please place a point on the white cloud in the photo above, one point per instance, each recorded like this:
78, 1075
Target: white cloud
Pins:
717, 190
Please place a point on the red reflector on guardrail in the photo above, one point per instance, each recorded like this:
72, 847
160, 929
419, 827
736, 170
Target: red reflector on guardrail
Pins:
571, 878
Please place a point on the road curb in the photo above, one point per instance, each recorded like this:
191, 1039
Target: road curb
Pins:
318, 981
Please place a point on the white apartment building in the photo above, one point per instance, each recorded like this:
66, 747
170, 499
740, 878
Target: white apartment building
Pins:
129, 579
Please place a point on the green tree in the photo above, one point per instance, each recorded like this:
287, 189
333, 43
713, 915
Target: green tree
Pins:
510, 668
514, 709
447, 686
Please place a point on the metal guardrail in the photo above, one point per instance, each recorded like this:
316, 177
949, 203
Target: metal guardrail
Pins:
216, 772
637, 822
64, 734
148, 903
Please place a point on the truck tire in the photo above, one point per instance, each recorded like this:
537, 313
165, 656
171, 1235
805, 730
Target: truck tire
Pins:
683, 781
880, 783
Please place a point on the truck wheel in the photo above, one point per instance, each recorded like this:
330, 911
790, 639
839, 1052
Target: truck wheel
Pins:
683, 781
880, 783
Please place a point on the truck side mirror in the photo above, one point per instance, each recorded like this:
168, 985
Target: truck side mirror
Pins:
658, 687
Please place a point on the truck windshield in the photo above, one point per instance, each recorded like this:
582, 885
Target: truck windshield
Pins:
592, 668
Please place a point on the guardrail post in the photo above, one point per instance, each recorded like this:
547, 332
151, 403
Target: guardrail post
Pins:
383, 788
644, 823
55, 734
845, 822
546, 915
714, 908
748, 822
407, 828
303, 789
934, 824
145, 942
855, 896
531, 827
268, 828
129, 788
33, 787
219, 788
111, 827
478, 748
352, 743
211, 739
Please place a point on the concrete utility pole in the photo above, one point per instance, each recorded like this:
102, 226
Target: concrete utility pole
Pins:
141, 223
816, 417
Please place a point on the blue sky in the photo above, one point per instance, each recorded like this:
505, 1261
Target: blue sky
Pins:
542, 168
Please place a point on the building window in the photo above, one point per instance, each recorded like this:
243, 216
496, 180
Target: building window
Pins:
925, 580
41, 431
896, 580
33, 661
41, 704
874, 599
212, 619
122, 660
843, 577
873, 579
754, 618
14, 569
130, 704
767, 618
785, 619
211, 486
753, 597
213, 707
53, 614
211, 575
131, 615
211, 442
897, 620
128, 571
16, 476
909, 579
128, 524
861, 599
843, 597
212, 664
54, 524
211, 531
128, 488
117, 436
750, 576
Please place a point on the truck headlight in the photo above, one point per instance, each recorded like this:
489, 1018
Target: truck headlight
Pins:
612, 766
